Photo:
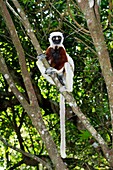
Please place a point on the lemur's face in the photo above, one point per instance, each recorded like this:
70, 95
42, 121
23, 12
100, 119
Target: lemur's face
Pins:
56, 38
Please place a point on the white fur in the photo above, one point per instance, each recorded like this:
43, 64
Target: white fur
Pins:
56, 34
62, 127
69, 77
43, 70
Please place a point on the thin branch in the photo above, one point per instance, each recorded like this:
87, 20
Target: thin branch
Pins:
75, 31
77, 24
27, 154
28, 27
5, 72
72, 26
20, 51
16, 165
93, 51
21, 119
14, 12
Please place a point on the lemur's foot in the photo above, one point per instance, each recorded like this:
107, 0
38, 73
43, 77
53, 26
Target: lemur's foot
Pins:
41, 56
50, 71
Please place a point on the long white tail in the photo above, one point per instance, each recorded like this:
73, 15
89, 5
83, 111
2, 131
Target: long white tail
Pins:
62, 126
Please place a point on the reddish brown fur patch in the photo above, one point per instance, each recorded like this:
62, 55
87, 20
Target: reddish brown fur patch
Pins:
57, 57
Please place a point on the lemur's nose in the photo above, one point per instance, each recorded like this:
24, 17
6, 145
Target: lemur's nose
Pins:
56, 38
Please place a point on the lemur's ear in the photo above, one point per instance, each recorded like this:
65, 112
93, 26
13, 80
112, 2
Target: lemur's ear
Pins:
48, 36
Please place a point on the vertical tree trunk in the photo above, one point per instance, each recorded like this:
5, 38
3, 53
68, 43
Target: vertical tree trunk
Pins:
93, 22
32, 109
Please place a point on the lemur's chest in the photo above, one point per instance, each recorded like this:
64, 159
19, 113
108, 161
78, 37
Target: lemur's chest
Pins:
56, 57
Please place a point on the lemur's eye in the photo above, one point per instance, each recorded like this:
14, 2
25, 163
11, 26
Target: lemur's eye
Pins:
59, 37
54, 38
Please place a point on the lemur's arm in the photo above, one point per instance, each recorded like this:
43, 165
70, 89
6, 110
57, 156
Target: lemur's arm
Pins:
69, 74
43, 70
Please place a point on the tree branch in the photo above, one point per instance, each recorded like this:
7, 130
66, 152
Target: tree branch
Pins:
33, 109
92, 17
71, 101
5, 72
27, 154
28, 27
76, 23
21, 55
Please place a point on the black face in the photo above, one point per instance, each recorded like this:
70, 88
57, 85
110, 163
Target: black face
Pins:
56, 39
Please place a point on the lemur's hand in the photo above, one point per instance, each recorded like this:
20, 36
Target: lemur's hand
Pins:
50, 71
41, 56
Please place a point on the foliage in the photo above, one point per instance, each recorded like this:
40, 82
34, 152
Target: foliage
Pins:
89, 87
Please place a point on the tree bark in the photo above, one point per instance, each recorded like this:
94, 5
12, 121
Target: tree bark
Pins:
93, 22
32, 109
